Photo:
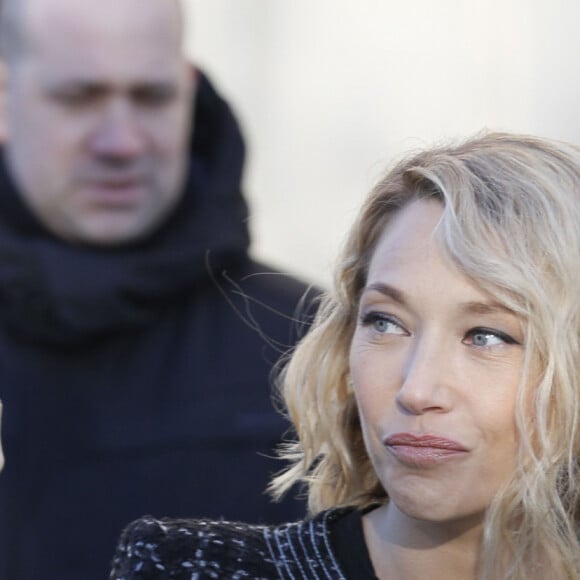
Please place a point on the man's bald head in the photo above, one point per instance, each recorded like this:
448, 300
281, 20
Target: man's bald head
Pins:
15, 16
97, 119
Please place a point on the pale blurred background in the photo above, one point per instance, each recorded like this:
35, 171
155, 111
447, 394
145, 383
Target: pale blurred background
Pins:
331, 91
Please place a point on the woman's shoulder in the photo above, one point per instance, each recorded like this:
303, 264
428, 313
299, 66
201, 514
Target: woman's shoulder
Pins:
152, 548
174, 548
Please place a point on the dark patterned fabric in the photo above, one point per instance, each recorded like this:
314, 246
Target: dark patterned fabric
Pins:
200, 550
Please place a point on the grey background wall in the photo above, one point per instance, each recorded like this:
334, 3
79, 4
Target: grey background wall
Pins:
331, 91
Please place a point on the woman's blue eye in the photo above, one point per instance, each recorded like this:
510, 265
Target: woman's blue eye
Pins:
485, 337
382, 324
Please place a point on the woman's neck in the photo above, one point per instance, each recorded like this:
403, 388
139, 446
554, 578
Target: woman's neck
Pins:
405, 548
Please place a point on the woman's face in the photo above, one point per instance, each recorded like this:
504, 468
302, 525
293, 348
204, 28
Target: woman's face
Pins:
436, 365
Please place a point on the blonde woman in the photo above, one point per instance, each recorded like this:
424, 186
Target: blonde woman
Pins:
436, 399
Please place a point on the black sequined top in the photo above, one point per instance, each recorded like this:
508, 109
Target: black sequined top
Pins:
329, 546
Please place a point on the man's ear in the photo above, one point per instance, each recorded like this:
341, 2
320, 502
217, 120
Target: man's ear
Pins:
3, 124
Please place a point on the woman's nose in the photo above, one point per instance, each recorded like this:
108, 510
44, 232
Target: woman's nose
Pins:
426, 378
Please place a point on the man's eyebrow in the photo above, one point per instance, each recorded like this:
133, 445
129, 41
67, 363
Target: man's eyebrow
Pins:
158, 86
79, 84
89, 84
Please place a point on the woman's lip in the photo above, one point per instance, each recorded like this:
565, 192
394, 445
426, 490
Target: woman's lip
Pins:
423, 450
424, 440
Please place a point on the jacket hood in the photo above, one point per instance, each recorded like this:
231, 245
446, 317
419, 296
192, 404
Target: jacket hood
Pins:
56, 292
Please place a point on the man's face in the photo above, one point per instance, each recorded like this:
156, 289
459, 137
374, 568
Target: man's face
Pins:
98, 117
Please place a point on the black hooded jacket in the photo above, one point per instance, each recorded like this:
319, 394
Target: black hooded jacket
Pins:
135, 380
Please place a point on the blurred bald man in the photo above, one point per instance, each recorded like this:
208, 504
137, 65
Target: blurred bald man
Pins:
137, 335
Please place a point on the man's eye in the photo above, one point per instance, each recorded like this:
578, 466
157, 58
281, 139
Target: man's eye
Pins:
73, 98
154, 97
485, 337
382, 323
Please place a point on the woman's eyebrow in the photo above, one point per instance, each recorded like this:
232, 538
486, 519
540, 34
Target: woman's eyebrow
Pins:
484, 307
470, 307
388, 291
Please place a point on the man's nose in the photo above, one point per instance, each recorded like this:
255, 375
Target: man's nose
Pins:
427, 377
119, 133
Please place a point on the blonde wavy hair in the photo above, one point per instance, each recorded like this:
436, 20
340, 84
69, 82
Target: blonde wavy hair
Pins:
511, 222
